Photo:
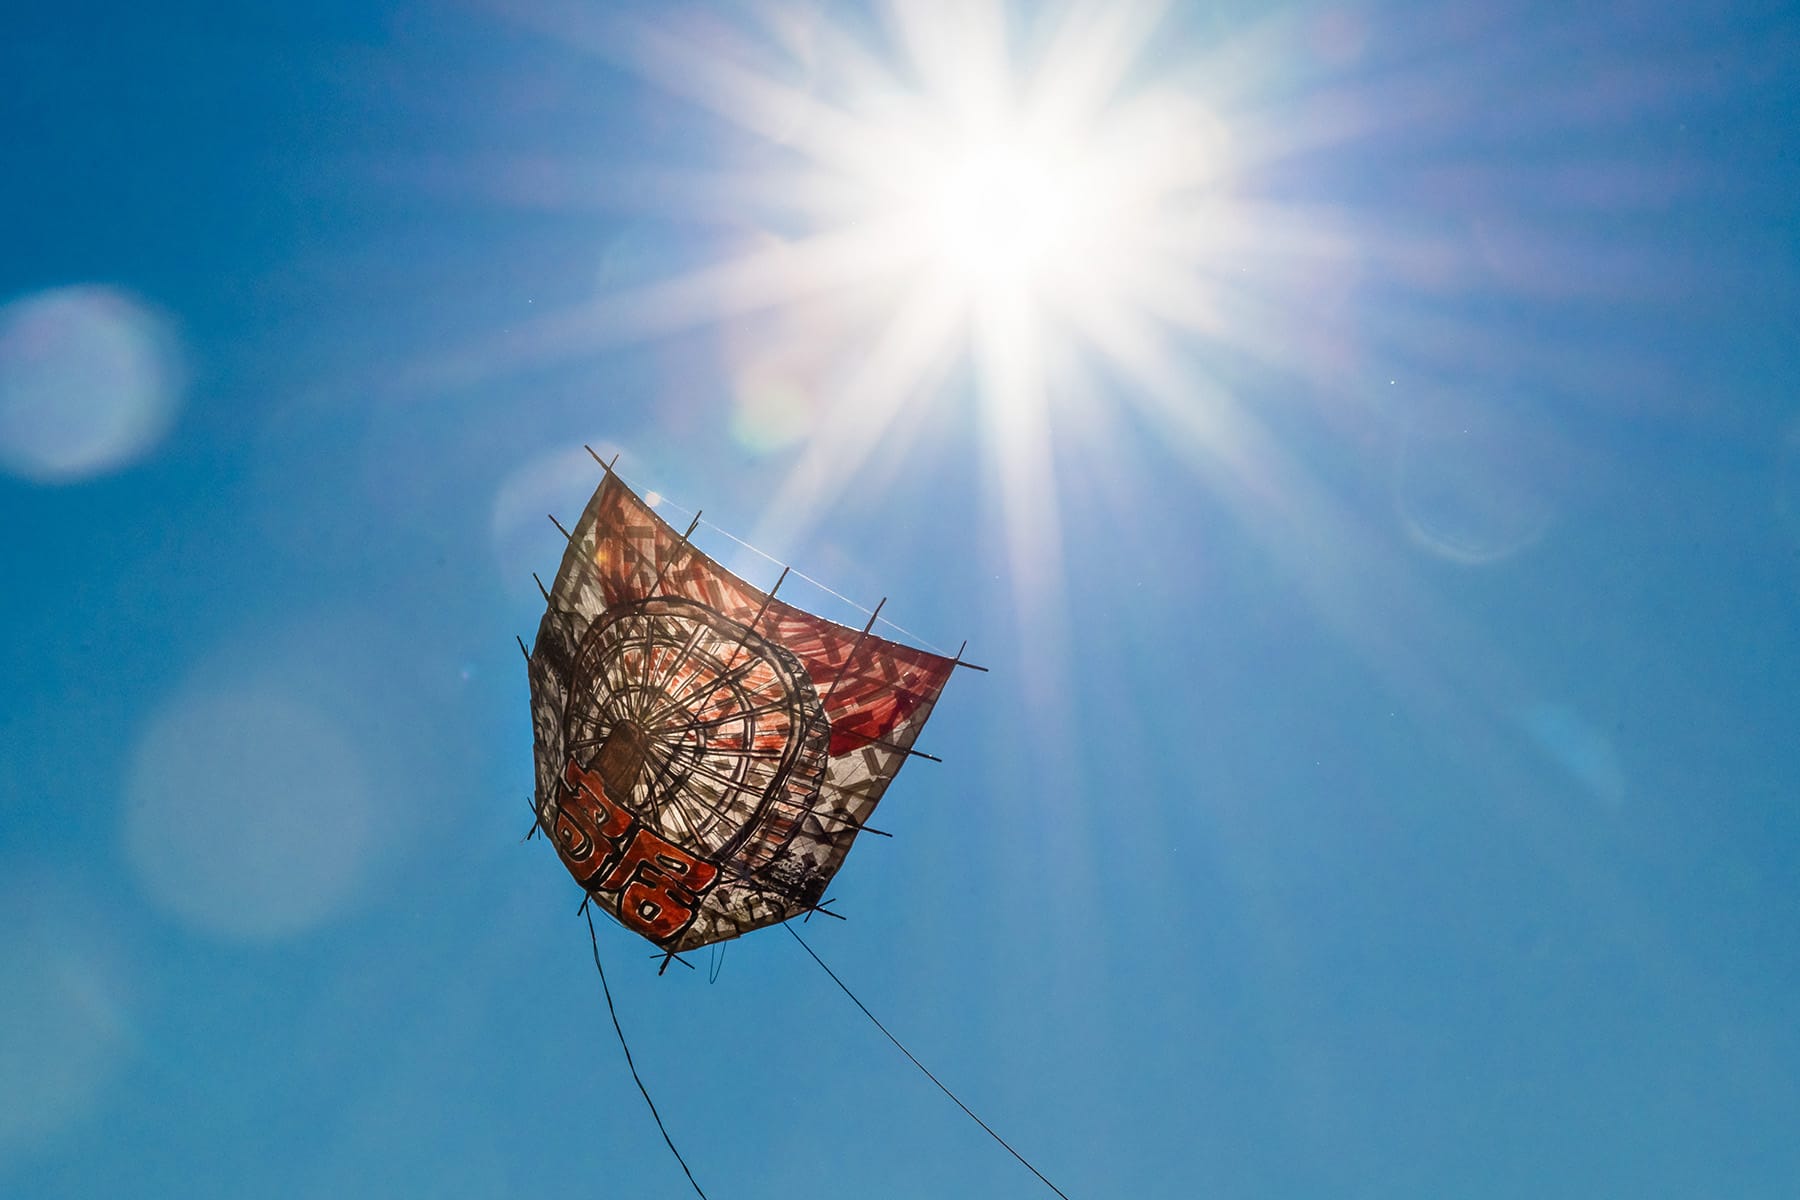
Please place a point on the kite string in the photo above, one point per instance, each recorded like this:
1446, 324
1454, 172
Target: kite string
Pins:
915, 1062
595, 940
764, 554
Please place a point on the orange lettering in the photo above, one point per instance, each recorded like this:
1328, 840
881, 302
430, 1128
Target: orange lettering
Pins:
589, 828
661, 883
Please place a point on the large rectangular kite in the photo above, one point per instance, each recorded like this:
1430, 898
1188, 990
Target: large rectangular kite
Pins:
706, 753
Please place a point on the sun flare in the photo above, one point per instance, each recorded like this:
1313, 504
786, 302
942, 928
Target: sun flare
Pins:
1006, 189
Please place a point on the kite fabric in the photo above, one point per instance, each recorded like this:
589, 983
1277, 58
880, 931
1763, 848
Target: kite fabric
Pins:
706, 753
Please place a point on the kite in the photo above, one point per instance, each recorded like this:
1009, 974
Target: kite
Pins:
706, 753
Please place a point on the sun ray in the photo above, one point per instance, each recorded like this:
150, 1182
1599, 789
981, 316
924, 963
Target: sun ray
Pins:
766, 278
1007, 349
913, 349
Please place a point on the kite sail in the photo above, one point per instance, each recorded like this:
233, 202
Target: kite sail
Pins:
706, 753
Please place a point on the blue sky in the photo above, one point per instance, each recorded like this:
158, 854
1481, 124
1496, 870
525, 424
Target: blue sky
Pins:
1385, 545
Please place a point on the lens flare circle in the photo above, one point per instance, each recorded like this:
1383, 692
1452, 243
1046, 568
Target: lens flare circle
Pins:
250, 812
89, 380
66, 1029
1467, 487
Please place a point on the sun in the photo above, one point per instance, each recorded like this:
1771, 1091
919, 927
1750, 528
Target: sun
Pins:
987, 180
1003, 215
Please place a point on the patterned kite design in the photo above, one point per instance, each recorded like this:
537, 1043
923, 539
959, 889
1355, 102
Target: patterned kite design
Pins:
706, 753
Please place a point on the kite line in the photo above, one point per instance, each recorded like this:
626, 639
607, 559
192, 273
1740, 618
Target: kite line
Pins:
595, 940
915, 1062
826, 588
